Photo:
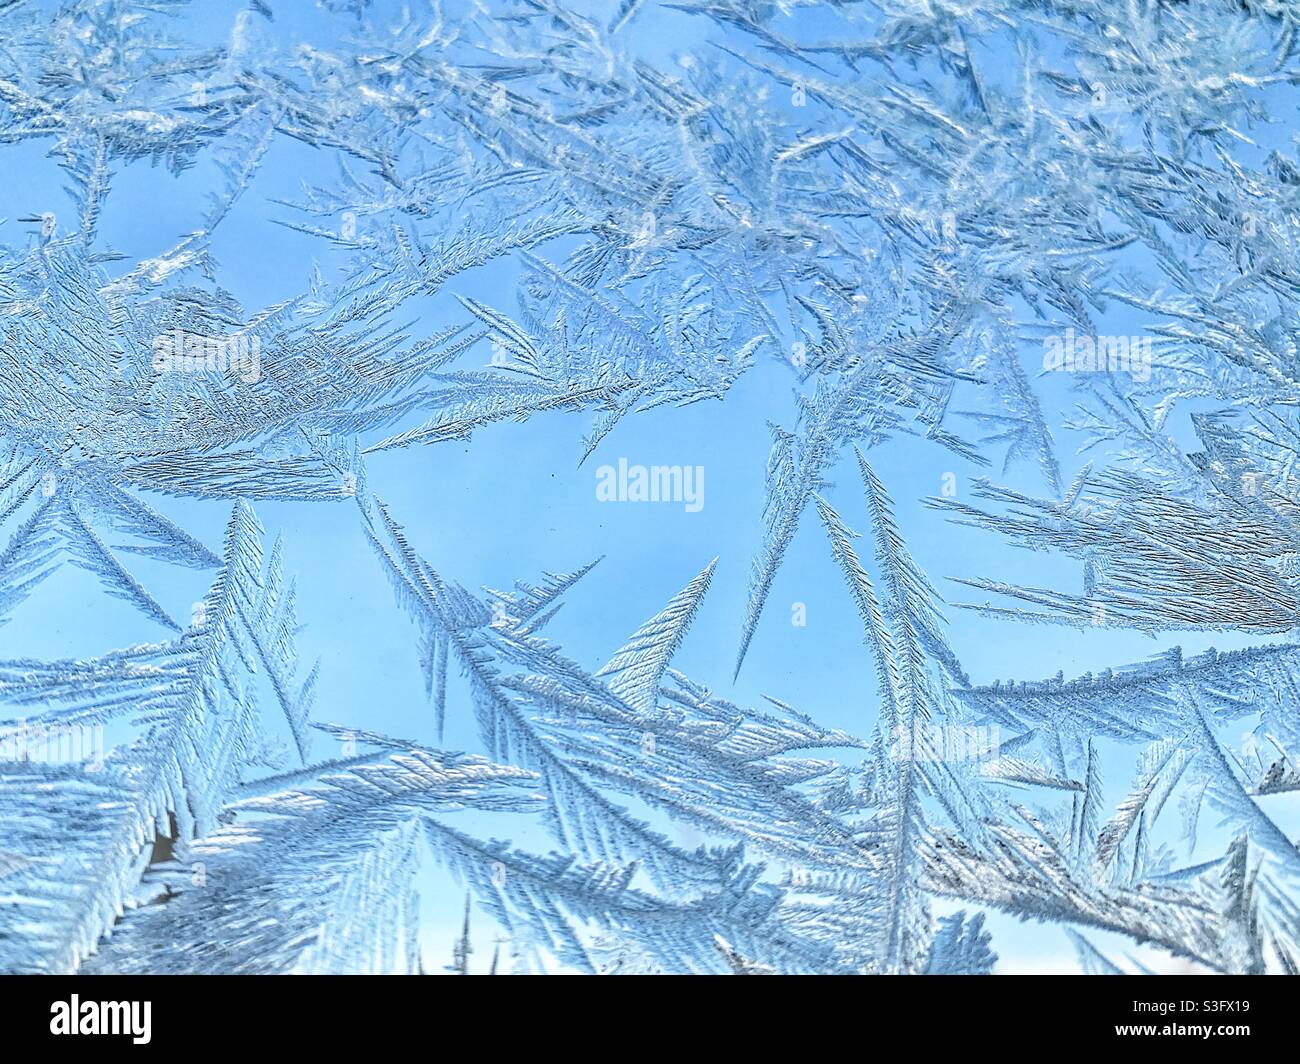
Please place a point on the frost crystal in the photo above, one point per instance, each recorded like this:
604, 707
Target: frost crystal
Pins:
883, 267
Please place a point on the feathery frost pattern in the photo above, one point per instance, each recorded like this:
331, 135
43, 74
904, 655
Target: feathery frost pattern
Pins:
322, 325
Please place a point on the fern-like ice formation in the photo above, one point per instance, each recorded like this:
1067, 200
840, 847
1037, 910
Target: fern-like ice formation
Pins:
897, 233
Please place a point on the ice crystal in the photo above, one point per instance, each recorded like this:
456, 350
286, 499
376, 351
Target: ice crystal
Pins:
898, 234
